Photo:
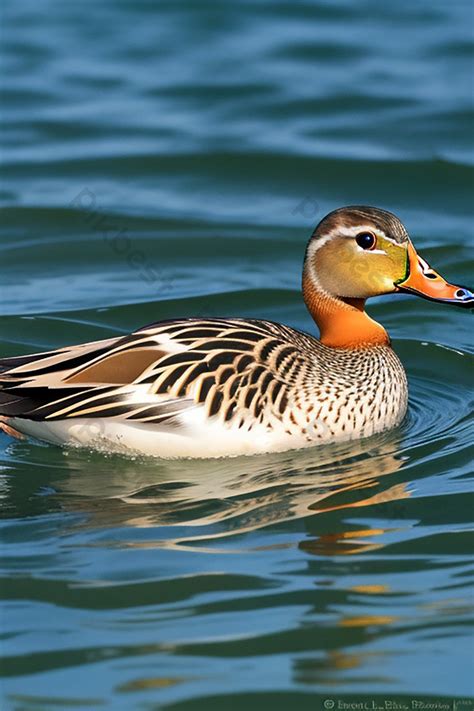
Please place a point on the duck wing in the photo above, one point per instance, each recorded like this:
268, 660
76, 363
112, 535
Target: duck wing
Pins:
226, 366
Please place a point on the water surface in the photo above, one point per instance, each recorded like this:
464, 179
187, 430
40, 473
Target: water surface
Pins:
171, 159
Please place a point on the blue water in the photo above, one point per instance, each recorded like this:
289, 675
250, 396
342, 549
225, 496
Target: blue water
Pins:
171, 159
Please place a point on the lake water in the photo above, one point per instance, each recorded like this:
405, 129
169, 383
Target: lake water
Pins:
171, 159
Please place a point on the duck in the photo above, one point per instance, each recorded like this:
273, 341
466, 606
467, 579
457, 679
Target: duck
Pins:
219, 387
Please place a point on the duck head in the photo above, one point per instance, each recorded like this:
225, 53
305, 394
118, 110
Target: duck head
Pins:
358, 252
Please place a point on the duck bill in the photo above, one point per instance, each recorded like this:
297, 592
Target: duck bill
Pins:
422, 280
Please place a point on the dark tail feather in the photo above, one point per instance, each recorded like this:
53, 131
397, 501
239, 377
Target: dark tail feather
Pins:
15, 361
14, 405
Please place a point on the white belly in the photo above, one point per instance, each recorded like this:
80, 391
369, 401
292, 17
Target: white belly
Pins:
115, 436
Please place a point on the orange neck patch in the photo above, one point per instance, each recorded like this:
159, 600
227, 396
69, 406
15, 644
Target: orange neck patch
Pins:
342, 323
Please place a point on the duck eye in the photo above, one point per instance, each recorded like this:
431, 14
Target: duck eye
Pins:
365, 240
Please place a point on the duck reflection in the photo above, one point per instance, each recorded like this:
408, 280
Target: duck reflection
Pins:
201, 501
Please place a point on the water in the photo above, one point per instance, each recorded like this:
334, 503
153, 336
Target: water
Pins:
170, 159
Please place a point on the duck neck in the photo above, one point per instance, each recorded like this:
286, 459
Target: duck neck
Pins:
342, 323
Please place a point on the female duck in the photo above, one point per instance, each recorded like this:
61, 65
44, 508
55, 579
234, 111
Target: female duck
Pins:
211, 387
